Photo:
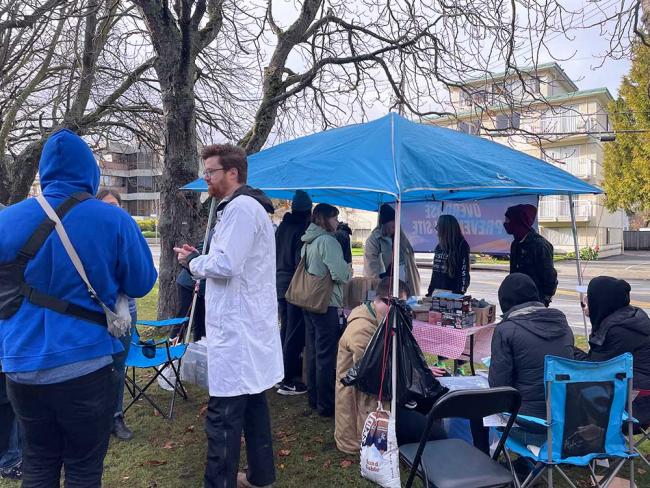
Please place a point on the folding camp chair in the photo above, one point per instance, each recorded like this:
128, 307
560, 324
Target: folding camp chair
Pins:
453, 463
642, 430
586, 410
164, 355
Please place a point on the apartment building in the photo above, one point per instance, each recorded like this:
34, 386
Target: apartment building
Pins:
135, 174
555, 121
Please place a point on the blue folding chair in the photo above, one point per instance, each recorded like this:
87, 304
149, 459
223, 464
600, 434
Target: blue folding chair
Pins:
587, 405
163, 355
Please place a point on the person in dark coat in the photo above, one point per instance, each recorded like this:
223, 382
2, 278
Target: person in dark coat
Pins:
530, 253
617, 328
529, 332
451, 264
343, 234
292, 322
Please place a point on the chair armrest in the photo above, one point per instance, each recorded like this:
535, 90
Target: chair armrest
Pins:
532, 420
163, 323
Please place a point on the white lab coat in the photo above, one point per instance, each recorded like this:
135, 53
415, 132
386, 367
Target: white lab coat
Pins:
241, 310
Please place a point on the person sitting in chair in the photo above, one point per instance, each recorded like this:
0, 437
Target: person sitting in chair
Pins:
617, 328
352, 406
529, 332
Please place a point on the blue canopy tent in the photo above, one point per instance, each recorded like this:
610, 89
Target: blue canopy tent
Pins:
394, 160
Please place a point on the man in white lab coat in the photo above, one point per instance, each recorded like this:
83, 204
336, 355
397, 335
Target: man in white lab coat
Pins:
244, 349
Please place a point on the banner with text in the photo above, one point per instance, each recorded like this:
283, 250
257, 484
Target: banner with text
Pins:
481, 222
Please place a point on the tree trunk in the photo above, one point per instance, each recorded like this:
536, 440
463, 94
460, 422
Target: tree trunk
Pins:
179, 210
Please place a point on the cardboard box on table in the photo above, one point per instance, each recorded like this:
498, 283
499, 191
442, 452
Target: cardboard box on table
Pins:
485, 315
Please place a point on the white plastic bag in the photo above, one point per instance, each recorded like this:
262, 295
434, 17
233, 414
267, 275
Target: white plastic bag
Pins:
168, 373
379, 451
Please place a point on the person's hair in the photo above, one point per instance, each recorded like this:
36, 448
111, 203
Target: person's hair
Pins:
451, 240
104, 192
385, 288
321, 213
230, 156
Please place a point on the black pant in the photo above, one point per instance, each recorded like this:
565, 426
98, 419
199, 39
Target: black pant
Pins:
185, 296
65, 424
6, 417
321, 346
292, 332
226, 417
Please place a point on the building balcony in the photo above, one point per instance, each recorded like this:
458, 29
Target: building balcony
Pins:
584, 168
556, 209
566, 124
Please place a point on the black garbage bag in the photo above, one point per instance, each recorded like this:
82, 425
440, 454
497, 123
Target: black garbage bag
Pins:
415, 381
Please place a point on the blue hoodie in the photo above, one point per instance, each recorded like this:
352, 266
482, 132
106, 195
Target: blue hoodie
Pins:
111, 247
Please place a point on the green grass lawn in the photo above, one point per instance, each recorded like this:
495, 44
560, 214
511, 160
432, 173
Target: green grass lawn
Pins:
171, 454
357, 251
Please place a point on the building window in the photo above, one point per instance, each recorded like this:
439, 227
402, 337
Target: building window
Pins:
508, 121
532, 85
465, 99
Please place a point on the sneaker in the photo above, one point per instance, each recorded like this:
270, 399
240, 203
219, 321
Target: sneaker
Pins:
292, 388
120, 430
13, 473
242, 482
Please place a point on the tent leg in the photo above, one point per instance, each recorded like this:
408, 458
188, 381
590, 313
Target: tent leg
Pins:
576, 248
396, 247
190, 323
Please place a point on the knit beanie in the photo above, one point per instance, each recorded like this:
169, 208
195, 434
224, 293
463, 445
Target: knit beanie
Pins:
301, 202
605, 295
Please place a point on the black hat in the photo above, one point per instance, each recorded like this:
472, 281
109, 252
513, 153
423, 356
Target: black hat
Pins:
605, 295
386, 214
517, 288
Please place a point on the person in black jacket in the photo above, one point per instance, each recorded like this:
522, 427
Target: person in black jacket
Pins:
451, 260
530, 253
617, 328
292, 322
343, 234
529, 332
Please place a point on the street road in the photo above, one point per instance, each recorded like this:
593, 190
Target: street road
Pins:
485, 284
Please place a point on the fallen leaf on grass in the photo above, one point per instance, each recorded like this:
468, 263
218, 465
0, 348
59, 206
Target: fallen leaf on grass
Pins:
154, 462
156, 413
282, 466
327, 463
169, 445
189, 428
318, 439
346, 463
308, 458
204, 409
284, 452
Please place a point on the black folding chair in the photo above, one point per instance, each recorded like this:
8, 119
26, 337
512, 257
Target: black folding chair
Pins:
453, 463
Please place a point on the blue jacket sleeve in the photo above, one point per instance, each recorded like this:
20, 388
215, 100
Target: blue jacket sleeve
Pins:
136, 273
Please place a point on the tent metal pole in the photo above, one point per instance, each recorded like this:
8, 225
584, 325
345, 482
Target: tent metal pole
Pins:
190, 323
396, 253
576, 248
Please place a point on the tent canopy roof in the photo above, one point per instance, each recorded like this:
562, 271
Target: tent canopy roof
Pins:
364, 165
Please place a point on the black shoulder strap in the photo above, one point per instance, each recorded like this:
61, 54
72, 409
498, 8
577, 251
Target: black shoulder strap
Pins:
45, 228
29, 250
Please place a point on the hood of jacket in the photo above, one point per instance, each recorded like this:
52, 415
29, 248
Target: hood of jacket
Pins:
606, 295
313, 231
295, 220
363, 313
67, 166
545, 323
631, 318
254, 193
517, 289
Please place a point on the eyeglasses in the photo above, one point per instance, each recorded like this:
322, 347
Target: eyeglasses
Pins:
209, 172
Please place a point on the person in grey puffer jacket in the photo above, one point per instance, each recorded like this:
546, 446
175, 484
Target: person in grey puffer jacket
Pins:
528, 333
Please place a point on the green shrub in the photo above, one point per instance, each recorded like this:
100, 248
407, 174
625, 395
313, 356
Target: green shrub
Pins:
586, 253
357, 245
147, 224
149, 233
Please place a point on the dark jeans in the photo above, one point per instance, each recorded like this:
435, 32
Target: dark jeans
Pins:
65, 424
292, 331
119, 361
226, 417
410, 424
185, 296
321, 346
10, 453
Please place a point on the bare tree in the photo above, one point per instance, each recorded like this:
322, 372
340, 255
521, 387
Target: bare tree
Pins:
66, 64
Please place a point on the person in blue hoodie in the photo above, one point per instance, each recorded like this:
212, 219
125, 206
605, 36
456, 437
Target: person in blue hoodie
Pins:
59, 366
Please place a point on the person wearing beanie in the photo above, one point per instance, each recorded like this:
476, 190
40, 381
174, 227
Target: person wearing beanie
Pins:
288, 244
530, 253
529, 332
616, 328
378, 252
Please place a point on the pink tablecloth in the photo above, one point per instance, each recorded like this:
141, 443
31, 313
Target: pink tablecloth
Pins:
453, 343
